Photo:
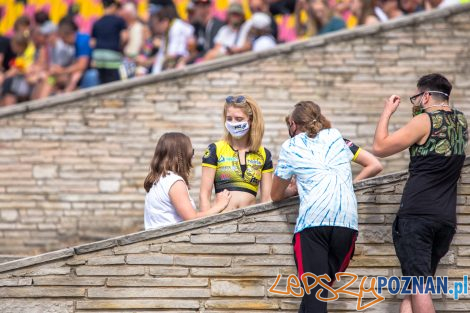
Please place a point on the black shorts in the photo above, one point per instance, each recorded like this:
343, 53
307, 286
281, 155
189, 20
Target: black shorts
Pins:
420, 243
322, 250
17, 86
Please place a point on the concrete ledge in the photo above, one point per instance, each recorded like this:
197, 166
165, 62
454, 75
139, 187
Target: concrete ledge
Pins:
181, 227
344, 35
42, 258
187, 225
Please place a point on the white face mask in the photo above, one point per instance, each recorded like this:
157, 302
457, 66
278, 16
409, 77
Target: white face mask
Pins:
237, 130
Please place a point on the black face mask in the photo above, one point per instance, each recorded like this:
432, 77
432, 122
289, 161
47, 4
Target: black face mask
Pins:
292, 134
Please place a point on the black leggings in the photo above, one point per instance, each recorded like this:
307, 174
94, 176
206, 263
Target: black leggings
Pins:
322, 250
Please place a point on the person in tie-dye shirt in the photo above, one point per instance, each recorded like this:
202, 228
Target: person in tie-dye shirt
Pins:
326, 228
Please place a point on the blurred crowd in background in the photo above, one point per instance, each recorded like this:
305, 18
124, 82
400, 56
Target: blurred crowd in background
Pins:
40, 57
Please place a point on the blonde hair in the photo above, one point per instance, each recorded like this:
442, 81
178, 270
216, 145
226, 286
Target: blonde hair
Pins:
307, 116
253, 111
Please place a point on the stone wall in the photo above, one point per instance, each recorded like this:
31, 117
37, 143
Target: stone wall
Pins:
72, 167
223, 263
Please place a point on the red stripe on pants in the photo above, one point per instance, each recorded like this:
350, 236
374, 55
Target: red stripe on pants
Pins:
298, 255
348, 257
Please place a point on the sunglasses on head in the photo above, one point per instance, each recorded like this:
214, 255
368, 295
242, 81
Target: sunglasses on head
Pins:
235, 100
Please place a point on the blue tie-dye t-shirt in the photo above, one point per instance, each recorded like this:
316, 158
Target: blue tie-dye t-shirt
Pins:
322, 169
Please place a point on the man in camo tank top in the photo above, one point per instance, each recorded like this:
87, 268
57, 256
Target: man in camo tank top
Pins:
425, 223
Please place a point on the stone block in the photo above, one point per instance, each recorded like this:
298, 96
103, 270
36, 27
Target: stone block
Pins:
110, 271
137, 304
45, 171
151, 292
237, 288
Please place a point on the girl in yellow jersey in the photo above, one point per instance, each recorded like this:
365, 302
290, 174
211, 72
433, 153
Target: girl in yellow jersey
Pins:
238, 163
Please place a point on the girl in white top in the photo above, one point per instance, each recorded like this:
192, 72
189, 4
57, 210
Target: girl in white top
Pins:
167, 201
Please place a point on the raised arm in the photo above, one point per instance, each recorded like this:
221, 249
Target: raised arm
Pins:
415, 131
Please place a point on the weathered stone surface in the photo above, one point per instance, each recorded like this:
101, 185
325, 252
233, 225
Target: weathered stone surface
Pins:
157, 282
216, 249
69, 281
107, 260
10, 282
109, 185
84, 180
121, 293
36, 306
202, 261
251, 271
241, 304
137, 304
45, 171
36, 260
110, 270
91, 147
149, 259
168, 271
41, 292
222, 238
237, 288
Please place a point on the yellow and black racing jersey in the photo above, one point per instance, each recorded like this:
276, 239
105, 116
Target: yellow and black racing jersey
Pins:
230, 174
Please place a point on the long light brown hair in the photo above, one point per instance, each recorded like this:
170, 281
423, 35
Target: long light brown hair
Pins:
172, 153
253, 111
367, 10
307, 116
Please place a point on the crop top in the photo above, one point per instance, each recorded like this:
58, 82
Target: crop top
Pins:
229, 174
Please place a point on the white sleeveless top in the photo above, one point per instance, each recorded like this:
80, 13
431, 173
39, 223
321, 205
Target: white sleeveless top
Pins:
159, 211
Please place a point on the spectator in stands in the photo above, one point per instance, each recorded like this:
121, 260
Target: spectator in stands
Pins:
8, 52
411, 6
175, 39
167, 200
321, 19
387, 10
238, 163
39, 36
261, 32
79, 72
363, 10
156, 5
15, 87
57, 54
262, 6
231, 38
144, 61
22, 26
190, 9
206, 27
41, 17
436, 138
136, 38
326, 228
342, 9
135, 30
109, 34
